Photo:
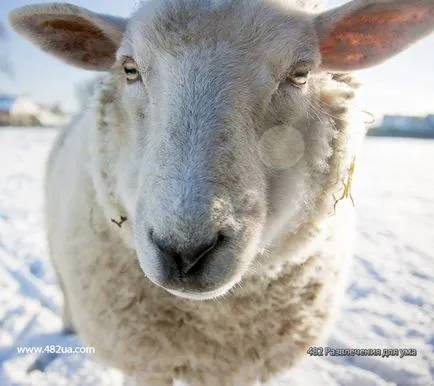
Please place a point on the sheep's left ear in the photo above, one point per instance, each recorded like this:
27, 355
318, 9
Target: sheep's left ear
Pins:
364, 33
75, 35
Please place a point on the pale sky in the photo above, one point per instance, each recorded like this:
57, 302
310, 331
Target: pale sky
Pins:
403, 85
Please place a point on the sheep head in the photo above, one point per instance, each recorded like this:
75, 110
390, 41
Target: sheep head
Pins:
222, 138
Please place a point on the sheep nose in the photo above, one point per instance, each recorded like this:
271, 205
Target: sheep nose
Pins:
187, 258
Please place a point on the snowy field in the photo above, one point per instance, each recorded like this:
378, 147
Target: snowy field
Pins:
389, 302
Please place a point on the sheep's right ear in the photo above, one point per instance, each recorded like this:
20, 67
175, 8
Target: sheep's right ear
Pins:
73, 34
364, 33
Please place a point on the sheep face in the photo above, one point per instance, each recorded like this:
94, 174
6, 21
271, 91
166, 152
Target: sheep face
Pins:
223, 141
203, 103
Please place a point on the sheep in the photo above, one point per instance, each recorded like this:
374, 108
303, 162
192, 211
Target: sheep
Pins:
189, 209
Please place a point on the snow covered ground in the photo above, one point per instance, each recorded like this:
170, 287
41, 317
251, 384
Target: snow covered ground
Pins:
389, 302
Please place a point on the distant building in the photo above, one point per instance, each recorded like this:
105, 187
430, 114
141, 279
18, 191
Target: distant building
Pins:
18, 111
403, 123
405, 126
22, 111
430, 120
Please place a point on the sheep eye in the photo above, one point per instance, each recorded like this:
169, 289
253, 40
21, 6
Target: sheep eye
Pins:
131, 71
299, 76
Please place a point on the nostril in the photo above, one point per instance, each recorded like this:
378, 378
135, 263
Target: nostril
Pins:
220, 238
161, 244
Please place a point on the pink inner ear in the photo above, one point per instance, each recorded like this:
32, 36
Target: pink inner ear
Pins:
369, 37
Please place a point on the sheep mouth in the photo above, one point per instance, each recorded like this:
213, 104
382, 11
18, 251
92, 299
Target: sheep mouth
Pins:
209, 282
209, 295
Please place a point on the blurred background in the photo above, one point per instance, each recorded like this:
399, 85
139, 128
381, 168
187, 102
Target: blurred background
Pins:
390, 298
403, 86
